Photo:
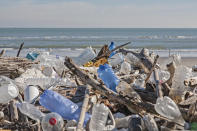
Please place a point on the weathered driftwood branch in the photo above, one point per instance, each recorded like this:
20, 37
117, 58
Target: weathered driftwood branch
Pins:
152, 69
19, 50
171, 68
133, 106
106, 52
83, 110
13, 111
2, 53
144, 57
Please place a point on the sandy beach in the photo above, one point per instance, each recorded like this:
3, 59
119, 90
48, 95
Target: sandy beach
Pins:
187, 61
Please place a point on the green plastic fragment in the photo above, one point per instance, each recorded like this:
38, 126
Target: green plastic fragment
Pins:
194, 126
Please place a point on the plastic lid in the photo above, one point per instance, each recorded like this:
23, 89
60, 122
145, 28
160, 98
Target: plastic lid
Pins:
52, 121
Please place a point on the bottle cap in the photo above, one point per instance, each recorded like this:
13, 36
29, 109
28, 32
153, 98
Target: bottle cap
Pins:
52, 121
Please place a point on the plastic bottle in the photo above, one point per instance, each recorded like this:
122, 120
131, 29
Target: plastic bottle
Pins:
42, 82
150, 123
55, 102
125, 68
47, 60
163, 76
168, 108
30, 93
107, 75
52, 122
111, 47
8, 90
136, 123
99, 117
87, 55
178, 88
32, 56
116, 59
30, 110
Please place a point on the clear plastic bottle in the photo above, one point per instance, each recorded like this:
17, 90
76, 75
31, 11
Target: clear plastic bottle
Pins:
99, 117
125, 68
106, 73
30, 110
52, 122
178, 88
168, 108
30, 93
8, 90
150, 123
87, 55
136, 123
116, 59
42, 82
55, 102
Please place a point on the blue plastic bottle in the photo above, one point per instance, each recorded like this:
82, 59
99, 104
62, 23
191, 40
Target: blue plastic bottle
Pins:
106, 73
32, 56
111, 47
55, 102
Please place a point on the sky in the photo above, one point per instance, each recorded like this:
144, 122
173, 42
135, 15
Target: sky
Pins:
99, 13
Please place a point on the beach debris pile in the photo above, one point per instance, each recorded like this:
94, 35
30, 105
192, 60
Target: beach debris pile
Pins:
113, 89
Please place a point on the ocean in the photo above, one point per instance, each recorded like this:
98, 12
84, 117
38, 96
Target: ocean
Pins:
162, 39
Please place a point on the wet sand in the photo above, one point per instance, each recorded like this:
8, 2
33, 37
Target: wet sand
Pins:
187, 61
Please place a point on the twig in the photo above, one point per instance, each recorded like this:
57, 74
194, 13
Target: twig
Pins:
20, 48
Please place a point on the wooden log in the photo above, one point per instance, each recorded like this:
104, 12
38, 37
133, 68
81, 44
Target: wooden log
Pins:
13, 111
132, 105
20, 48
83, 110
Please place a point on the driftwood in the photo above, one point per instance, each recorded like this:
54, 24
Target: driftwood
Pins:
152, 69
105, 52
14, 66
83, 110
133, 106
146, 60
13, 111
171, 68
19, 50
191, 82
2, 53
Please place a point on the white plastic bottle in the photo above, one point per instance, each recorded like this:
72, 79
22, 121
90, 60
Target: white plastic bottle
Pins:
99, 117
8, 90
52, 122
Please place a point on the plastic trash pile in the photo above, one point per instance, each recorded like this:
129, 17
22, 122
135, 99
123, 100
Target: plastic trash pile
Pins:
132, 92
